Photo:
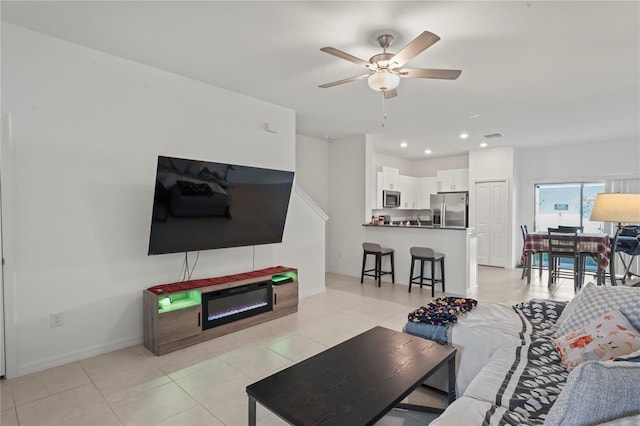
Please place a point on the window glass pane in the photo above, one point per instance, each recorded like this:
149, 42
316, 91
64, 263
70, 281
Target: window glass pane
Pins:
567, 204
589, 192
557, 204
570, 205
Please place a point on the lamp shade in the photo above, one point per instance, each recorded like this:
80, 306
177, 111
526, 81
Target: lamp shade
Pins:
621, 208
383, 80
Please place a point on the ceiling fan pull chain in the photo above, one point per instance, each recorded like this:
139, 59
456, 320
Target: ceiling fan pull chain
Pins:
384, 109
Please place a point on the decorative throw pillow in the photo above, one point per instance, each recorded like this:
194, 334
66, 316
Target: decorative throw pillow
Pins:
597, 392
603, 339
572, 304
596, 300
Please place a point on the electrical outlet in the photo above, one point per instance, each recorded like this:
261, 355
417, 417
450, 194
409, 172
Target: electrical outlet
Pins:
56, 319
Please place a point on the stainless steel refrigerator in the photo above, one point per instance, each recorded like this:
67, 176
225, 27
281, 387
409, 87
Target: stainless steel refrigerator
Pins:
450, 209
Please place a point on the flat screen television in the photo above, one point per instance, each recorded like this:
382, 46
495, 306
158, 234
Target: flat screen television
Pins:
202, 205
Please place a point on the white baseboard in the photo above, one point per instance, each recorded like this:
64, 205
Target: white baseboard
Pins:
70, 357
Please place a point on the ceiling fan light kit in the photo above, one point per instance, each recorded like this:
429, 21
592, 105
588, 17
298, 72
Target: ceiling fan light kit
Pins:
383, 81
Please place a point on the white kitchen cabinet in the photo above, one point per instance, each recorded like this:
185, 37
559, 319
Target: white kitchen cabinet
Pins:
461, 179
445, 180
426, 187
407, 192
453, 180
390, 179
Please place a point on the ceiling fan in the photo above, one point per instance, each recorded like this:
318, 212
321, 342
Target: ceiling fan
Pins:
386, 68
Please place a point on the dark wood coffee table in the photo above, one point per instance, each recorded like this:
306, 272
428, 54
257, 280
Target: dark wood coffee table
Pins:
354, 383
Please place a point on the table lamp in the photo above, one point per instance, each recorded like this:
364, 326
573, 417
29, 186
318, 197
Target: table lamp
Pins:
616, 207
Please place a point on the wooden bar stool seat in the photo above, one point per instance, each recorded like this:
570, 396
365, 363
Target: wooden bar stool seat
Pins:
376, 272
426, 254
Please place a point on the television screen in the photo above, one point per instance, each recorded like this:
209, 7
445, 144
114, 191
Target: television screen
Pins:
201, 205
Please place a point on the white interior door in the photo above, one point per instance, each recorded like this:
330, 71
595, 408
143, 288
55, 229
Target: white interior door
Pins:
499, 214
491, 214
483, 222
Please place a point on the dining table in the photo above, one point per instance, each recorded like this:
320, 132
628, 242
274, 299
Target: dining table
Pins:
596, 245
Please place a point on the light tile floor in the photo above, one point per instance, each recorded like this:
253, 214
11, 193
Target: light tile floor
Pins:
205, 384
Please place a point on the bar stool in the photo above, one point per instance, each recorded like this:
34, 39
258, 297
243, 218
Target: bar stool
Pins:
425, 254
377, 251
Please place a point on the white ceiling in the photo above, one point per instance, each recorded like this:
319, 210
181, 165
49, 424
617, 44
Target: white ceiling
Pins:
539, 73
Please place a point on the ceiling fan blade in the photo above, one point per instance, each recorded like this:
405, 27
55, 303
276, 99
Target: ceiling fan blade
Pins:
346, 80
411, 50
344, 55
388, 94
429, 73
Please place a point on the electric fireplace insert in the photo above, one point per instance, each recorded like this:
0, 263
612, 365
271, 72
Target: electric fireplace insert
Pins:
231, 304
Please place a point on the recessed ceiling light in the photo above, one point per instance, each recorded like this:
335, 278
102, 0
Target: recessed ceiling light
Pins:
483, 145
427, 151
464, 135
403, 144
474, 116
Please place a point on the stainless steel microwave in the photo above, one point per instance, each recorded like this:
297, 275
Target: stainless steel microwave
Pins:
390, 199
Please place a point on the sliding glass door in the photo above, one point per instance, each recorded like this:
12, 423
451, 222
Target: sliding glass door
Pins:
566, 204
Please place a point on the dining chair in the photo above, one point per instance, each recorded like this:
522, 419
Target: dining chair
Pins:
526, 266
571, 228
582, 256
563, 244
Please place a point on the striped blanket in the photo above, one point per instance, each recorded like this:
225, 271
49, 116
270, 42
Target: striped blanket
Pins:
519, 384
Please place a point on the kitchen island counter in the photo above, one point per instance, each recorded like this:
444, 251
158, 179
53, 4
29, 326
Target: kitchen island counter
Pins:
457, 244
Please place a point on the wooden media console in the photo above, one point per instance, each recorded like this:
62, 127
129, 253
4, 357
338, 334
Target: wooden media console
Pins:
182, 314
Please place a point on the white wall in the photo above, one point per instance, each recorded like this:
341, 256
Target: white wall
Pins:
347, 157
420, 168
496, 164
78, 176
312, 169
430, 166
304, 245
379, 159
312, 176
573, 163
491, 164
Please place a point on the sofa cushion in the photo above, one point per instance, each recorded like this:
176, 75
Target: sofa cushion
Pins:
525, 380
597, 392
470, 411
595, 301
477, 335
602, 339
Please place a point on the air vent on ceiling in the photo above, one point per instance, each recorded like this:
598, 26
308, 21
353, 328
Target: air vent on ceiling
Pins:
493, 136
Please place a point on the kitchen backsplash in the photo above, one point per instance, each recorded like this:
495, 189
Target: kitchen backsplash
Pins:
423, 215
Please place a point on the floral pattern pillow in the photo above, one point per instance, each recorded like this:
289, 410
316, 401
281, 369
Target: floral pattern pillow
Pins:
602, 339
